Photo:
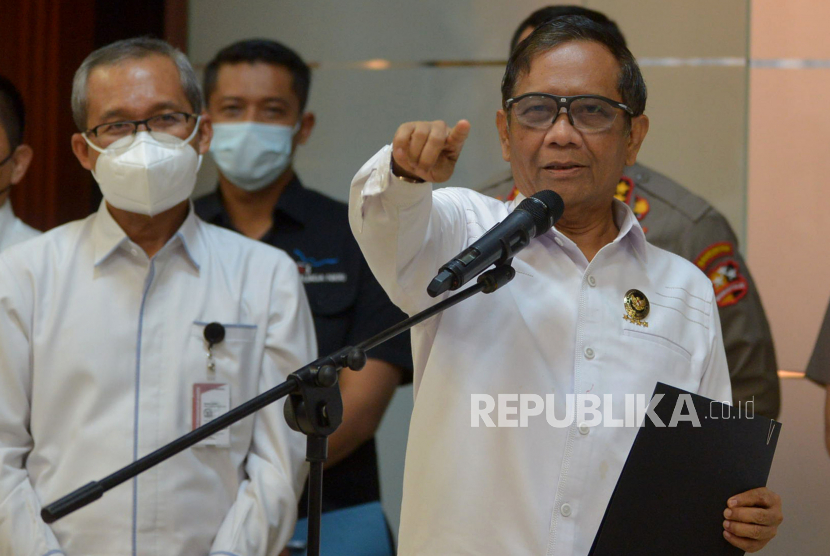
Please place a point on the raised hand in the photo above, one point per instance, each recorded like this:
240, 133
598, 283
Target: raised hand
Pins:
428, 150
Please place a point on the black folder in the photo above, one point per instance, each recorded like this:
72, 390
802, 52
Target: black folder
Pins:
673, 489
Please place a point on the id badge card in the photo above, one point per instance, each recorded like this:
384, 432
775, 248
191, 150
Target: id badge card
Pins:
210, 400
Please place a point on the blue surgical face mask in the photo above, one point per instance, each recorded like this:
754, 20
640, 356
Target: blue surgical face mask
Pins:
252, 155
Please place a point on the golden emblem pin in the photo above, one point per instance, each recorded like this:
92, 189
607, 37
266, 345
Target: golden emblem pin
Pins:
636, 307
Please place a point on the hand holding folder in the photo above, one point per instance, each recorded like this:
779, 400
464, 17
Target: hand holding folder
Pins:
671, 497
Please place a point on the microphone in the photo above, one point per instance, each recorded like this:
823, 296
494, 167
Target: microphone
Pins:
534, 216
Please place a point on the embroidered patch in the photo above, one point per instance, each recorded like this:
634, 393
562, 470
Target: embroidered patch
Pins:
325, 277
624, 189
641, 207
714, 251
306, 265
730, 286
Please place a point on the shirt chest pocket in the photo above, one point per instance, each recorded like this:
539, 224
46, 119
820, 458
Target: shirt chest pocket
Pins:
641, 334
655, 354
233, 360
666, 327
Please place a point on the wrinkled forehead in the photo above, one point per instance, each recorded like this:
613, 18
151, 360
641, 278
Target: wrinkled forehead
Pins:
134, 84
136, 71
254, 78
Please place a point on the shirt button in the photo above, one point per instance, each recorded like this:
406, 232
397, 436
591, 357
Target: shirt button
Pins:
558, 241
134, 251
565, 509
583, 428
589, 353
592, 281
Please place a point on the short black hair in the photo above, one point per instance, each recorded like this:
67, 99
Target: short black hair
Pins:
630, 83
268, 52
12, 112
547, 13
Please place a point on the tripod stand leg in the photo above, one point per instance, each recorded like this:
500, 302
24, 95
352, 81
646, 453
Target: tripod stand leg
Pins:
316, 454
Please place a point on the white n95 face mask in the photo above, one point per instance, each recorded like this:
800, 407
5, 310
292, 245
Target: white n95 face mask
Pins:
145, 175
250, 154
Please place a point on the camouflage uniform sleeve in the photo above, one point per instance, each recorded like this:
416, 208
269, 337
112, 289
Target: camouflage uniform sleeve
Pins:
713, 247
818, 370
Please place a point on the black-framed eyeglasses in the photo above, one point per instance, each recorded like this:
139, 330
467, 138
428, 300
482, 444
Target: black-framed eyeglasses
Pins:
9, 157
585, 112
163, 126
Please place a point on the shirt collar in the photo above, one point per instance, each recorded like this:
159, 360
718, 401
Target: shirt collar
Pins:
107, 236
623, 217
6, 217
630, 228
292, 203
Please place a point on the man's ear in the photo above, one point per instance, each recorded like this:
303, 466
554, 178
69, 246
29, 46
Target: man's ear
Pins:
638, 131
504, 134
307, 122
205, 134
21, 159
83, 153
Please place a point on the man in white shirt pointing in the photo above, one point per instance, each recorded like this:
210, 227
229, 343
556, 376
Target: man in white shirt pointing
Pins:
105, 353
593, 309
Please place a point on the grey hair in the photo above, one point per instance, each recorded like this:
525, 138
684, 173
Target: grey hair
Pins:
132, 49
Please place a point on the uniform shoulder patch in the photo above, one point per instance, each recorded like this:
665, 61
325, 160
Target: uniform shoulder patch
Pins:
714, 252
730, 286
625, 188
641, 207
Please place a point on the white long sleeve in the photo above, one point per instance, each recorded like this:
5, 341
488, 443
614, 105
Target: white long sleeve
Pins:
100, 349
557, 330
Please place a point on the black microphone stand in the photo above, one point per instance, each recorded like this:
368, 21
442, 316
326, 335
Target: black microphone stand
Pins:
314, 408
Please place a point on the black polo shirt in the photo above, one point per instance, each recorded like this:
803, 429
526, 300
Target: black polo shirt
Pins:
347, 303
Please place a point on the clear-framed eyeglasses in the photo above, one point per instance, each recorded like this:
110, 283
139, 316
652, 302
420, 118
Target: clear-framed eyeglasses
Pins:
590, 113
175, 128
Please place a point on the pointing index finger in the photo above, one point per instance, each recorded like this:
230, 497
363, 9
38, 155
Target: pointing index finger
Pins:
458, 134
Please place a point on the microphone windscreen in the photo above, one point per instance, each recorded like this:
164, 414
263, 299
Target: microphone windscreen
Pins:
545, 207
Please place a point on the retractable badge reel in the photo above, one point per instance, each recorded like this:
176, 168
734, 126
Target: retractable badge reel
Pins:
211, 399
214, 334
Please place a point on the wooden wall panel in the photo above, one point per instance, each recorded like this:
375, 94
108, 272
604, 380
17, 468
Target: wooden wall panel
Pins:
42, 43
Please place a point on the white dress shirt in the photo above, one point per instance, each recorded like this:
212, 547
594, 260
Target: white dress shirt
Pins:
99, 349
12, 229
557, 328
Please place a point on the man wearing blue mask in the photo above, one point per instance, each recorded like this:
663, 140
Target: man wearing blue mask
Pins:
256, 92
15, 157
124, 331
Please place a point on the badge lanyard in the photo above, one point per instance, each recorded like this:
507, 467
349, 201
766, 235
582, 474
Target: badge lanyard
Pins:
211, 399
214, 334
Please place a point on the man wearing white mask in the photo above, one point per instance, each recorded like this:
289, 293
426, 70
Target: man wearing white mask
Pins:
256, 92
103, 349
15, 157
